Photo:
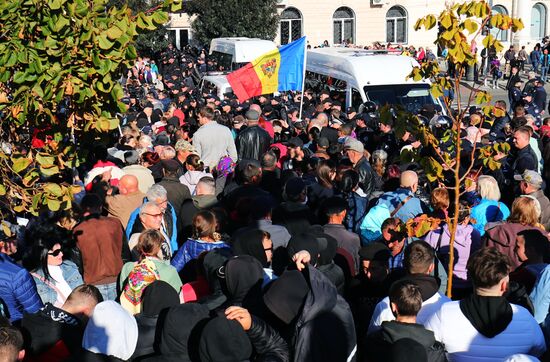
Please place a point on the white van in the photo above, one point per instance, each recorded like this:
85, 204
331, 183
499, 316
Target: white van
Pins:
233, 53
363, 75
215, 84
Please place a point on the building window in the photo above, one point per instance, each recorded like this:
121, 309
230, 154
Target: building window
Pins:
344, 26
538, 21
396, 25
291, 25
500, 35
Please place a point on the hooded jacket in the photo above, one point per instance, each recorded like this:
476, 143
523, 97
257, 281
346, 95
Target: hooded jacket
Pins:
192, 178
189, 209
432, 301
325, 316
378, 344
487, 338
111, 331
502, 236
467, 241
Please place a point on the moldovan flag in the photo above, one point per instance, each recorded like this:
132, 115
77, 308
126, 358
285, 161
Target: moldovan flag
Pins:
276, 71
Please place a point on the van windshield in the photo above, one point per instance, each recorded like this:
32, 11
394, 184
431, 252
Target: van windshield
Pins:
411, 96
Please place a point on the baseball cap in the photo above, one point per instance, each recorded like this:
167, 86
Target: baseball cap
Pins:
531, 177
354, 145
183, 145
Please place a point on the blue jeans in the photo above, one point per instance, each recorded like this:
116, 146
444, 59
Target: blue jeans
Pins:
543, 72
108, 291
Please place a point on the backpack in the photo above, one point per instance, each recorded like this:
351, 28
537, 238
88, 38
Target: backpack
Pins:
144, 273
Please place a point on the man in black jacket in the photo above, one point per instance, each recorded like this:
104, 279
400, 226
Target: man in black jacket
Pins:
253, 141
406, 302
57, 332
355, 152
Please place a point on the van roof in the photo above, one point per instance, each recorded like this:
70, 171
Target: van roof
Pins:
243, 50
366, 66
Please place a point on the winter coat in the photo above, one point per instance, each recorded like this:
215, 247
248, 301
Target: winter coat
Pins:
170, 220
45, 289
189, 209
410, 209
378, 344
432, 301
488, 211
192, 249
503, 237
335, 274
467, 241
268, 344
252, 142
540, 296
52, 334
176, 192
366, 176
357, 209
464, 343
326, 316
17, 289
191, 179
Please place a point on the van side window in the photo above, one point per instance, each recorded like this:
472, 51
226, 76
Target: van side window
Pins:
337, 89
356, 99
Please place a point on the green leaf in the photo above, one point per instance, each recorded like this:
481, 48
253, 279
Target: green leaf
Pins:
19, 164
470, 25
53, 189
114, 33
55, 4
54, 205
49, 170
131, 52
160, 17
104, 43
2, 190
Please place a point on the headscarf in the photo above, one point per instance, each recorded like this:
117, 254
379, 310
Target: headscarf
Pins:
224, 340
242, 277
181, 332
213, 261
111, 331
157, 296
250, 242
286, 295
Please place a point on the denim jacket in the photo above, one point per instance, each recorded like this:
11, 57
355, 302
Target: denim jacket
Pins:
47, 293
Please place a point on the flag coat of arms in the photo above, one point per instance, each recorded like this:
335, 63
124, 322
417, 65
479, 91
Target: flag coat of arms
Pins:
276, 71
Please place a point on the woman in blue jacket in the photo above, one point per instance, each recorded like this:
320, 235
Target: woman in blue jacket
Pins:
55, 278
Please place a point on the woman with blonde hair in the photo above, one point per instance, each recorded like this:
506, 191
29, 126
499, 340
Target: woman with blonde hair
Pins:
489, 209
525, 216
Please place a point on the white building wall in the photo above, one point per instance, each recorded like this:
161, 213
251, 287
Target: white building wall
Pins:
370, 19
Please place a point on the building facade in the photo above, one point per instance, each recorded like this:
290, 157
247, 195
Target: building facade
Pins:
364, 22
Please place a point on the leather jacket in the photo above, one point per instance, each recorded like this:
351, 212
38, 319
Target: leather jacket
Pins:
367, 181
252, 142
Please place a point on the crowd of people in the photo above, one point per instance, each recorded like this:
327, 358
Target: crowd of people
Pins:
219, 230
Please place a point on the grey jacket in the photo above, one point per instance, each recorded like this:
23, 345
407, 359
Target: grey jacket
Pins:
214, 141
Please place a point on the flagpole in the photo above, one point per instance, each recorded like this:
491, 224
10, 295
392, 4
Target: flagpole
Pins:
303, 79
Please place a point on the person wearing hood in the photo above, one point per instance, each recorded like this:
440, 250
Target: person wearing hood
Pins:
181, 333
224, 340
110, 336
419, 264
53, 334
294, 213
325, 262
314, 320
195, 172
203, 199
485, 326
213, 261
406, 301
241, 279
258, 244
156, 299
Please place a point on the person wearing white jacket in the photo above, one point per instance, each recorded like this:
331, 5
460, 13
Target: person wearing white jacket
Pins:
485, 326
419, 263
195, 171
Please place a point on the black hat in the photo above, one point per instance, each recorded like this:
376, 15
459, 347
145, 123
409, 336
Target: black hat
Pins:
148, 105
323, 142
294, 186
285, 296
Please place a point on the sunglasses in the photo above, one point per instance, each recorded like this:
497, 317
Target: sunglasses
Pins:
55, 252
154, 215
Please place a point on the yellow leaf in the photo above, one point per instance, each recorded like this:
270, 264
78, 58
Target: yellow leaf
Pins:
446, 20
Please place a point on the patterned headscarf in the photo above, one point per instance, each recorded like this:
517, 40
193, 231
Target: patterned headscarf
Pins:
143, 274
